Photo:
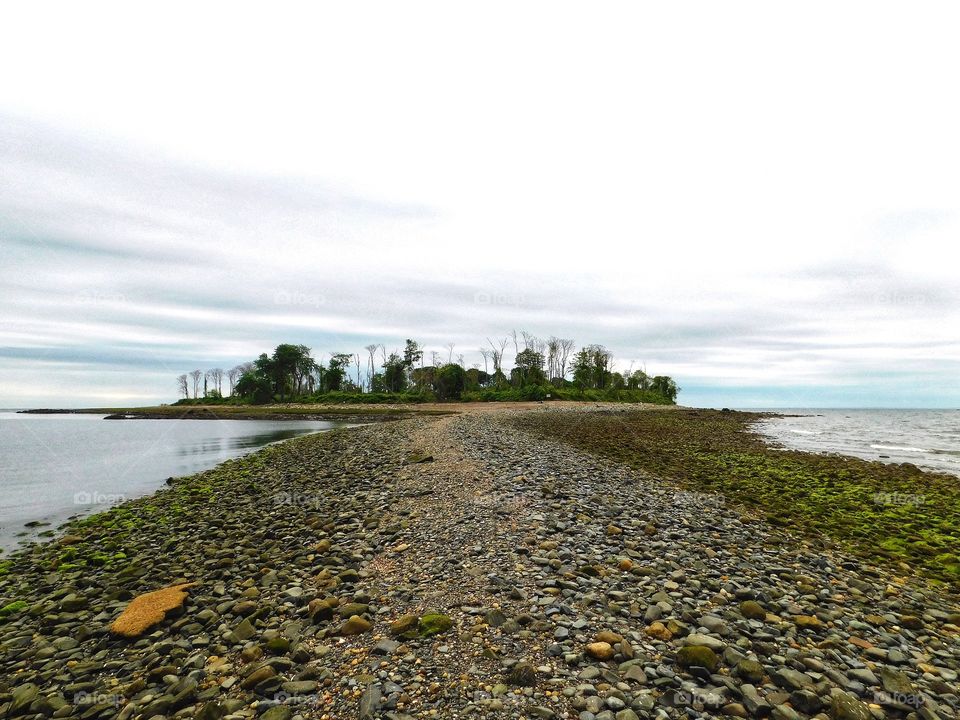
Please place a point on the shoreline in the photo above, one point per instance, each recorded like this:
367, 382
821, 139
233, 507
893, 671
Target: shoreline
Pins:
463, 563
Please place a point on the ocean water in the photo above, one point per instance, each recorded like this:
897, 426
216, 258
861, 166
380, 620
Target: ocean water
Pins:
55, 466
929, 439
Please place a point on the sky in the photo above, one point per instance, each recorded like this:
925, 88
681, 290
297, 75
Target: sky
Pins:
757, 199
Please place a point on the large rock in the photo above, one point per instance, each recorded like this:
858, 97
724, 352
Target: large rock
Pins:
707, 641
600, 650
697, 656
404, 624
355, 625
844, 706
147, 610
434, 624
22, 697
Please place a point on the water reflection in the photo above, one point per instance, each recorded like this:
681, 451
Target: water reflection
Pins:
47, 461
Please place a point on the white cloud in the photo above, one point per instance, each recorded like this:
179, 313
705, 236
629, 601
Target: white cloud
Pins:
724, 192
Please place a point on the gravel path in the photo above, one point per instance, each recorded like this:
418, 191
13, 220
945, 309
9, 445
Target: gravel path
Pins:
456, 567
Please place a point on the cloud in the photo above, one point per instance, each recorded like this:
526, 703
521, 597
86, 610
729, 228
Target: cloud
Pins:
706, 199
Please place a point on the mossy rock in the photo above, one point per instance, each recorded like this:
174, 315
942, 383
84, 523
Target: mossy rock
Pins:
14, 608
750, 670
278, 645
405, 626
434, 624
697, 656
753, 610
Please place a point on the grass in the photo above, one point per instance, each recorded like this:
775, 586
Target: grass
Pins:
886, 513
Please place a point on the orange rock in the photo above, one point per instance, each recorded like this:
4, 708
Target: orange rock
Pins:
609, 637
860, 643
659, 631
808, 621
600, 650
145, 611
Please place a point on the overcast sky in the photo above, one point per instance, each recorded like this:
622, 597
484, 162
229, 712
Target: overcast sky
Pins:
760, 200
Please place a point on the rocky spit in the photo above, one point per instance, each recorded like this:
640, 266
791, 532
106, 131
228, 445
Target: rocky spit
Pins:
459, 567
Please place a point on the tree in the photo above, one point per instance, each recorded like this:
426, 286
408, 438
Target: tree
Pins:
485, 354
233, 374
255, 386
395, 373
182, 386
639, 380
665, 386
529, 368
287, 365
592, 367
450, 382
337, 370
412, 353
371, 364
216, 375
195, 375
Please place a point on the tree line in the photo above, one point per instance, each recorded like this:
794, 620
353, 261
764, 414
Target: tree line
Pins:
542, 369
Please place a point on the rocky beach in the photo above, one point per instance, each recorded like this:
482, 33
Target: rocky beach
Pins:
462, 566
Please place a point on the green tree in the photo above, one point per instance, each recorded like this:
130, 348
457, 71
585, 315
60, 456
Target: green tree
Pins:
255, 387
664, 385
395, 373
450, 382
337, 371
529, 368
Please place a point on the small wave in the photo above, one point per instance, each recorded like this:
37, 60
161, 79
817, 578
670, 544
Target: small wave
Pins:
803, 432
898, 448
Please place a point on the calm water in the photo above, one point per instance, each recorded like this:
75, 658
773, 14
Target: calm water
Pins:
55, 466
929, 439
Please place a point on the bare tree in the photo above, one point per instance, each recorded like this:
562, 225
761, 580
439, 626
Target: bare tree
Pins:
516, 346
356, 357
460, 360
195, 375
233, 374
566, 350
450, 347
182, 385
485, 354
217, 376
435, 358
498, 354
529, 340
553, 357
371, 363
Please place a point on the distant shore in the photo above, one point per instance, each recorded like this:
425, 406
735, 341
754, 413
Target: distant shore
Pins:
303, 411
356, 413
